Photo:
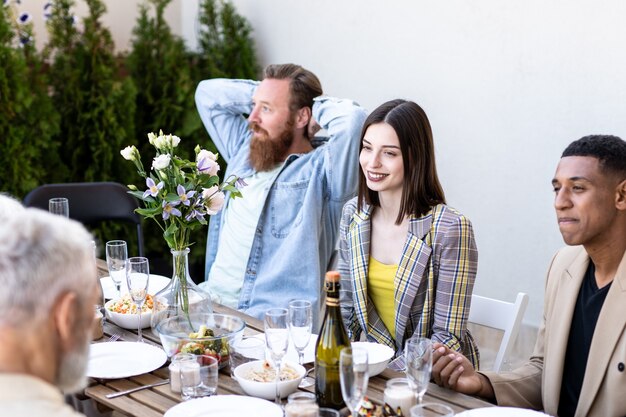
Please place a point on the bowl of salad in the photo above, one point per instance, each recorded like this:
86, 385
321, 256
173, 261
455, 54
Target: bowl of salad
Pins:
201, 334
123, 312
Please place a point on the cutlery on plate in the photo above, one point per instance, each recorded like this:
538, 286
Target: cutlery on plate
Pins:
130, 391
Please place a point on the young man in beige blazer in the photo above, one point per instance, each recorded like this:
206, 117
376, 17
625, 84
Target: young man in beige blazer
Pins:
578, 366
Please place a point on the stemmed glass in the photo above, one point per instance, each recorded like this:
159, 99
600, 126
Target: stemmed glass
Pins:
418, 353
353, 376
137, 278
277, 339
300, 325
117, 255
60, 206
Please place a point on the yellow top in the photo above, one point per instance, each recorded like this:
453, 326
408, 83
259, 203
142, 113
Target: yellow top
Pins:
381, 290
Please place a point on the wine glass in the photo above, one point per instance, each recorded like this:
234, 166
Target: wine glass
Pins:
137, 278
117, 255
300, 325
60, 206
277, 339
418, 353
353, 376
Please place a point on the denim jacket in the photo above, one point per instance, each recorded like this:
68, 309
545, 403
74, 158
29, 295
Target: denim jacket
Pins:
298, 227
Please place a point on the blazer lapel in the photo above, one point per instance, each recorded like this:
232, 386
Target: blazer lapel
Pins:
411, 270
609, 328
560, 323
360, 235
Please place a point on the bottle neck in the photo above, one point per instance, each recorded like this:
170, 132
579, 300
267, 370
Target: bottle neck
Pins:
332, 294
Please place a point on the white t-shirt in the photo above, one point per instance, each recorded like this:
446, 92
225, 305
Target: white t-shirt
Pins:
241, 217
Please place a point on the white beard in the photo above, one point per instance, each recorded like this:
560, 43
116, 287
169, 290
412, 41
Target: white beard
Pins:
71, 376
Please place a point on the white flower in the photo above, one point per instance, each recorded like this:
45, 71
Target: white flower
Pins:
161, 161
174, 140
160, 142
213, 199
129, 153
204, 154
151, 138
205, 162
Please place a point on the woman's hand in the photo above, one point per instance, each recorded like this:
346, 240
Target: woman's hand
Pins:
453, 370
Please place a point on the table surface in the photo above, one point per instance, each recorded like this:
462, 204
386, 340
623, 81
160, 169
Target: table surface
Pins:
156, 401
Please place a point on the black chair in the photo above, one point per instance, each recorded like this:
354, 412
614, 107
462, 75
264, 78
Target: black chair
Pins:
91, 202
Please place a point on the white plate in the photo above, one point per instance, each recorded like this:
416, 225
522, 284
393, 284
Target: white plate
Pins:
225, 406
292, 353
500, 412
113, 360
156, 284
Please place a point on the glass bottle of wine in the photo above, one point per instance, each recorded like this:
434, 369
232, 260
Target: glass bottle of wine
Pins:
333, 337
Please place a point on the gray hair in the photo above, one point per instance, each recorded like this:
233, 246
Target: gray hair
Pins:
42, 256
9, 206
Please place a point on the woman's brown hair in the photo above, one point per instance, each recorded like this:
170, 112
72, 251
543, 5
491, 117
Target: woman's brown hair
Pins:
421, 189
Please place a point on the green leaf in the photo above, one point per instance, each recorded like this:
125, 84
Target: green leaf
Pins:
149, 212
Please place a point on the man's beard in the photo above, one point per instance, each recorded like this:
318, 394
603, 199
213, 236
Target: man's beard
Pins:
71, 375
266, 152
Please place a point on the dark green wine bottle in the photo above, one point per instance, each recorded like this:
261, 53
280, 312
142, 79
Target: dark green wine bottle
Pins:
333, 337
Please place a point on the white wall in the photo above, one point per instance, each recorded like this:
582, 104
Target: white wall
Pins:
506, 84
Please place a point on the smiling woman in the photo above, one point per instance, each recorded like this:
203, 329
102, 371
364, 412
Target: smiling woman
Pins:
407, 260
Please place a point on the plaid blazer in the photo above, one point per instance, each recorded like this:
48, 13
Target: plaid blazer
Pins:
433, 282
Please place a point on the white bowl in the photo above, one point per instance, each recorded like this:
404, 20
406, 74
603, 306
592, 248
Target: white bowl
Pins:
127, 321
267, 390
378, 356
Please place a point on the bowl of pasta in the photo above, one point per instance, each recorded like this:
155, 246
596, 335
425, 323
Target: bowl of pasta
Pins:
123, 312
257, 378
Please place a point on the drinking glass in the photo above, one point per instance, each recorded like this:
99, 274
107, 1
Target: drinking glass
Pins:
431, 410
277, 339
300, 325
353, 376
137, 277
117, 256
198, 378
418, 353
400, 394
301, 404
60, 206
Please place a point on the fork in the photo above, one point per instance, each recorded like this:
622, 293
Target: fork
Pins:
113, 338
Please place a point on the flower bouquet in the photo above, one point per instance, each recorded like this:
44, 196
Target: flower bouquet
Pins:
179, 194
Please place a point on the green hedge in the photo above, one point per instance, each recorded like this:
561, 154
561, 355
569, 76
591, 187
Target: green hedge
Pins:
67, 111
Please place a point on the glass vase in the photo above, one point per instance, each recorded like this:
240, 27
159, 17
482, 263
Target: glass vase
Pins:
181, 296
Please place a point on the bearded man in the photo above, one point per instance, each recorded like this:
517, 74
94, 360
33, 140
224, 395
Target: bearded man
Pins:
274, 244
48, 291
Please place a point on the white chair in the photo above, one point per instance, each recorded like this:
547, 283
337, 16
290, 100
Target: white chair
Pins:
499, 315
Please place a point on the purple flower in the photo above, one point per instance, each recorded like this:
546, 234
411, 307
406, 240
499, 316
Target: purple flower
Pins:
195, 214
170, 209
23, 18
153, 188
47, 11
184, 198
240, 183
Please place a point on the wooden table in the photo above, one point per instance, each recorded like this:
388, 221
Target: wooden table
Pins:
156, 401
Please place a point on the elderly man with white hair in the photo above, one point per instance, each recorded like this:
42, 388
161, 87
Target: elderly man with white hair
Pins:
48, 288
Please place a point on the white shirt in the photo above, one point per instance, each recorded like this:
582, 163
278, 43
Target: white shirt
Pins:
241, 217
23, 395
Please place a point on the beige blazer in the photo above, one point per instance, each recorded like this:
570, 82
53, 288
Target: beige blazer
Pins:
537, 384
